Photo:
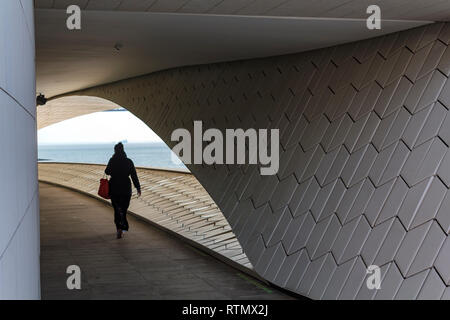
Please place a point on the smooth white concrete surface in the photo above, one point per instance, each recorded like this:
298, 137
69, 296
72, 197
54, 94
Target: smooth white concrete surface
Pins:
437, 10
19, 212
72, 60
65, 108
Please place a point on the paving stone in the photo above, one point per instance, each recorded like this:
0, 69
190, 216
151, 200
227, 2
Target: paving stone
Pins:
391, 129
433, 288
292, 231
433, 58
411, 286
391, 244
431, 203
387, 98
428, 250
327, 200
393, 201
388, 163
323, 278
328, 238
298, 271
374, 240
417, 62
444, 35
432, 124
446, 294
325, 165
423, 161
310, 275
348, 200
317, 130
442, 265
357, 240
337, 281
361, 201
275, 263
285, 218
287, 267
303, 234
416, 92
304, 197
398, 98
442, 217
412, 201
354, 281
283, 193
359, 165
336, 132
318, 233
444, 97
364, 292
343, 238
444, 64
312, 165
395, 164
378, 200
337, 166
432, 90
410, 246
390, 284
355, 132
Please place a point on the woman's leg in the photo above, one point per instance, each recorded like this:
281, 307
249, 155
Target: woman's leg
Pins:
125, 203
117, 216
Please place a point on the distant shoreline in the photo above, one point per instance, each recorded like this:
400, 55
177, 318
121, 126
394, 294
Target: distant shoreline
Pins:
144, 154
100, 143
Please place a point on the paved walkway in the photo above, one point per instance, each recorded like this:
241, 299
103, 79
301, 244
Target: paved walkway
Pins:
146, 264
176, 200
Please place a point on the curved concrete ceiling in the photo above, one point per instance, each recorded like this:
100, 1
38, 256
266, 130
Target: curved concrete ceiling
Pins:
72, 60
392, 9
64, 108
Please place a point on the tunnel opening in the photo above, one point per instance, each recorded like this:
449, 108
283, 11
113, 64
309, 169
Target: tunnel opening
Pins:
172, 198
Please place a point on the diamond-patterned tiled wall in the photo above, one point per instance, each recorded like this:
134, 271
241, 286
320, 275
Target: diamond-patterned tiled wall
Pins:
365, 163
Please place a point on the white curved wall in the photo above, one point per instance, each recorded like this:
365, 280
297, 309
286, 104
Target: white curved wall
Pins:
58, 110
364, 164
192, 214
19, 200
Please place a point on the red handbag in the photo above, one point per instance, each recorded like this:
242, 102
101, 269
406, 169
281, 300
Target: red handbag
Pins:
103, 190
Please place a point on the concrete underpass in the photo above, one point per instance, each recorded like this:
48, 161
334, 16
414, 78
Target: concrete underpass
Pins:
146, 264
363, 180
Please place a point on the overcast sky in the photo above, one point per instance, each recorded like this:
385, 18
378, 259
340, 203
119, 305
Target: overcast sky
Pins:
100, 127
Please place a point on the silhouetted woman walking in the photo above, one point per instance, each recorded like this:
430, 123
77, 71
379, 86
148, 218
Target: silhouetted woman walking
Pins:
120, 168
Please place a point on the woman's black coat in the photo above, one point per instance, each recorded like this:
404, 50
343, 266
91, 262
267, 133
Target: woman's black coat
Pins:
120, 168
